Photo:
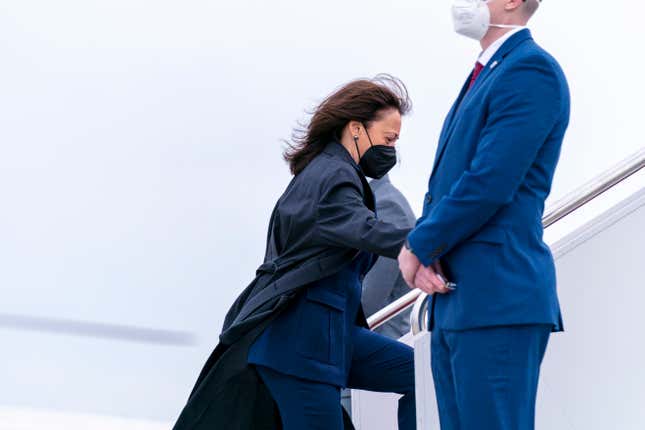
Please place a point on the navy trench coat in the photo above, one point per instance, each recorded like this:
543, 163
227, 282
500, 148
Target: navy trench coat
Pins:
325, 217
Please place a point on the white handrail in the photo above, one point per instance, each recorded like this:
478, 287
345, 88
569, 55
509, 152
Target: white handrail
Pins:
560, 209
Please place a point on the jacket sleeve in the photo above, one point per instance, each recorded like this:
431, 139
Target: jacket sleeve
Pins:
525, 107
343, 220
383, 278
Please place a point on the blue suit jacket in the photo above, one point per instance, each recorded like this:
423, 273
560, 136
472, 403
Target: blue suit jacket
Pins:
482, 216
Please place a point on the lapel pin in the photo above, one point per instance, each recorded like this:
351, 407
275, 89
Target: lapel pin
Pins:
492, 66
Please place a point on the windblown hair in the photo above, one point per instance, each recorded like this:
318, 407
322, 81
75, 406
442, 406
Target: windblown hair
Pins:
363, 100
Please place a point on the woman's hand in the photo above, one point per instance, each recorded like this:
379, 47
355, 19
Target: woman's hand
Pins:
409, 265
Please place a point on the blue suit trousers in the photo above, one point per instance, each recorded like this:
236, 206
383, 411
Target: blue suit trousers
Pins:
487, 379
378, 364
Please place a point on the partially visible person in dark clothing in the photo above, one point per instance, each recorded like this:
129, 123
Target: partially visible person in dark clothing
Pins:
297, 334
384, 283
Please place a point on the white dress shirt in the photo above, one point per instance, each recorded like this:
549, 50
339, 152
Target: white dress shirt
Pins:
485, 56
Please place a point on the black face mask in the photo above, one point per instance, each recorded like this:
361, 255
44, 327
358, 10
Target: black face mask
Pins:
377, 160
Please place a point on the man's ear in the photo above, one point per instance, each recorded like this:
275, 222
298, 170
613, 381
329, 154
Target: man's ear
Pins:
512, 5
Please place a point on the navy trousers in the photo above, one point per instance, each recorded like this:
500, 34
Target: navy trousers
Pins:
378, 364
487, 379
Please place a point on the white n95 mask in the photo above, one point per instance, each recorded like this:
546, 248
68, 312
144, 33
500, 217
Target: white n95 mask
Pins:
472, 18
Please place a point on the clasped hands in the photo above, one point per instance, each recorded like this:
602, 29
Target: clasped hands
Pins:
428, 279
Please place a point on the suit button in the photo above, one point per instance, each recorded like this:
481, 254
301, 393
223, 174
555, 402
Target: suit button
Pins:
428, 199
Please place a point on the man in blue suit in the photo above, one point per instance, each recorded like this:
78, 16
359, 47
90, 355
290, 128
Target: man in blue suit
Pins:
481, 224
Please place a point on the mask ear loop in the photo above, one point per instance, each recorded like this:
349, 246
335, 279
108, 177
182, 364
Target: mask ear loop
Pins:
504, 26
358, 153
368, 134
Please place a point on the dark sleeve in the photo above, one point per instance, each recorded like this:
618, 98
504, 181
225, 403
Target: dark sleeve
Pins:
380, 282
343, 220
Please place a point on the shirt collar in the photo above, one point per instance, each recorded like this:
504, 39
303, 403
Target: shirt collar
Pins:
486, 56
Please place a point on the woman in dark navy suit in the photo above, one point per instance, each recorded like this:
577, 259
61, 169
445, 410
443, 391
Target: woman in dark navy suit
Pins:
315, 346
299, 325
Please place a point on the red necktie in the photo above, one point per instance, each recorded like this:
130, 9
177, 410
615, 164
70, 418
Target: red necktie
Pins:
478, 69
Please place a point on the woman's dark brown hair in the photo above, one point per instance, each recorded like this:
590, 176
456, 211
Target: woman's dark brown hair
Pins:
363, 100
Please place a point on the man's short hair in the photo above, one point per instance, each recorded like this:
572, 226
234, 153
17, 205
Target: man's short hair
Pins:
530, 7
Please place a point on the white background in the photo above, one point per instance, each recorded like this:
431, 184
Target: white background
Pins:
140, 157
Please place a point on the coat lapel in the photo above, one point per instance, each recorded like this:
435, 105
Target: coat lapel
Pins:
497, 59
465, 95
447, 128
